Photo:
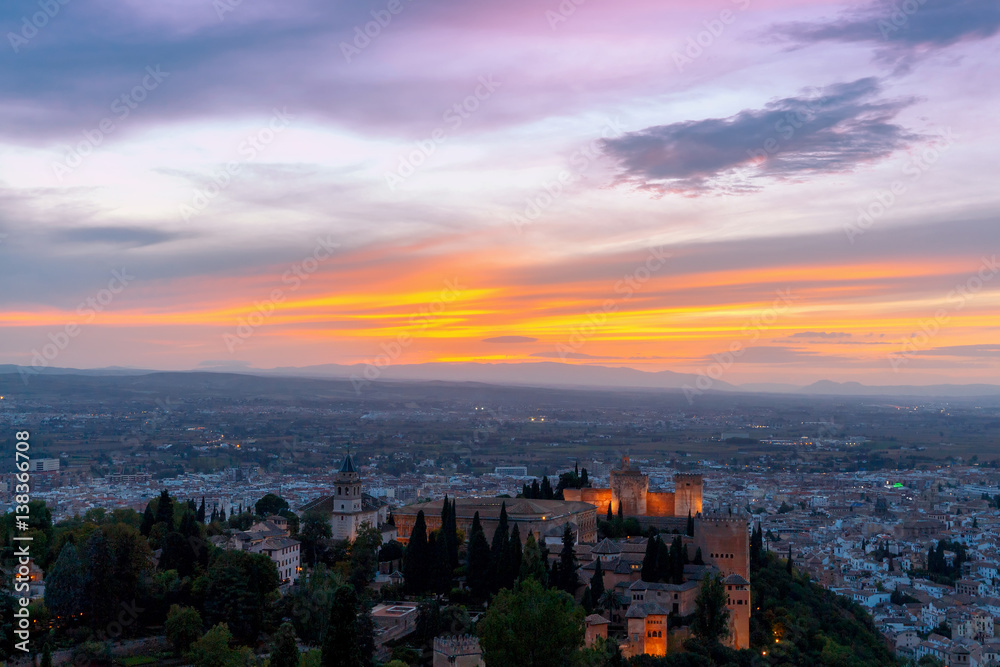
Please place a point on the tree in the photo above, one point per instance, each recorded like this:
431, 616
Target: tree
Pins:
342, 644
201, 511
237, 586
315, 528
501, 567
183, 628
533, 562
284, 651
165, 509
711, 616
789, 564
516, 552
148, 519
270, 504
698, 558
690, 525
567, 562
64, 588
649, 567
213, 650
449, 532
364, 556
597, 581
478, 560
417, 559
756, 546
530, 626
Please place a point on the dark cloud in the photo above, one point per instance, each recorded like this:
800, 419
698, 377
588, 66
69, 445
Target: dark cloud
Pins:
984, 350
121, 236
510, 339
820, 334
903, 30
831, 131
777, 354
567, 355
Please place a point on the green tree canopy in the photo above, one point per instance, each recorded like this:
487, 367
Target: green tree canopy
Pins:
530, 626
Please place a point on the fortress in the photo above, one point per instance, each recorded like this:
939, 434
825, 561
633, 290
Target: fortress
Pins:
630, 490
722, 537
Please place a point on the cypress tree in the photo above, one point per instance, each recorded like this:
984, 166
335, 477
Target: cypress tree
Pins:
621, 512
450, 530
664, 563
584, 479
201, 510
517, 553
690, 525
148, 520
415, 560
536, 491
677, 561
165, 510
567, 562
597, 581
478, 560
342, 643
649, 563
610, 517
498, 548
546, 488
788, 565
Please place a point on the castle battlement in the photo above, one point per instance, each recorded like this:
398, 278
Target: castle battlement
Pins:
457, 645
717, 517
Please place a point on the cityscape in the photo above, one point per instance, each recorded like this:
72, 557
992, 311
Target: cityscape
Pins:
535, 333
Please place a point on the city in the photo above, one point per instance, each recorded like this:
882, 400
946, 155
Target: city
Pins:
903, 528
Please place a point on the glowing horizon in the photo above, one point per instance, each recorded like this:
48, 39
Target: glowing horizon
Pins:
627, 185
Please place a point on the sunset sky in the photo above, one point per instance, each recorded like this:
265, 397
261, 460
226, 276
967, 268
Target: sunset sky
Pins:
188, 184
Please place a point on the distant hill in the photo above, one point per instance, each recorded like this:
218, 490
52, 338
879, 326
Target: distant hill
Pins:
549, 374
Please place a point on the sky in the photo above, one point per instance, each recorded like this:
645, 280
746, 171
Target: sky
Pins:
764, 190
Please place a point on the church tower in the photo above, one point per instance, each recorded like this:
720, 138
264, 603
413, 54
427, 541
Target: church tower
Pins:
346, 501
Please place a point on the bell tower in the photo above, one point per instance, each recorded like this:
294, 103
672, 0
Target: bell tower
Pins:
347, 496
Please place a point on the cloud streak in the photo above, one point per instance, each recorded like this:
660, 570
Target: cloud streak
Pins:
833, 130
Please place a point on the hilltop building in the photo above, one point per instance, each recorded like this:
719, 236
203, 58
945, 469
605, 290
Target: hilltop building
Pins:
630, 490
348, 506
